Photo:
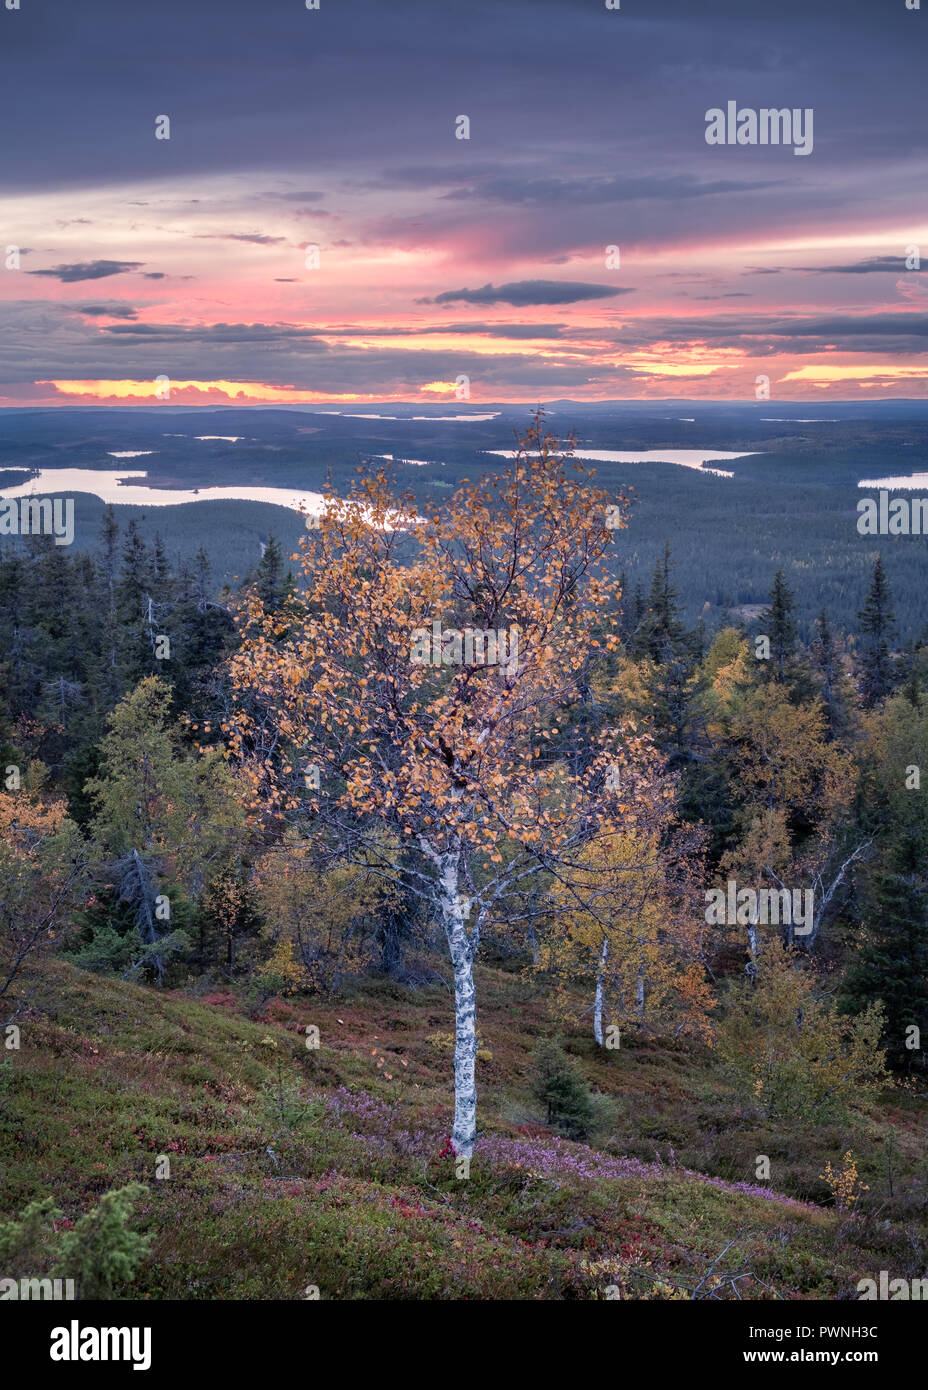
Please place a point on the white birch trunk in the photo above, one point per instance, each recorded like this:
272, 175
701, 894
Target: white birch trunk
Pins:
639, 983
752, 944
598, 1002
460, 947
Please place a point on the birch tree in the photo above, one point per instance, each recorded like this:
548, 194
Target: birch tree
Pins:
637, 937
412, 690
42, 871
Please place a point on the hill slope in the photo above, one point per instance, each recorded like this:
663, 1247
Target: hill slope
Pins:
292, 1167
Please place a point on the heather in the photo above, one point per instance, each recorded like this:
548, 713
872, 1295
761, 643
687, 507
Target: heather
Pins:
293, 1168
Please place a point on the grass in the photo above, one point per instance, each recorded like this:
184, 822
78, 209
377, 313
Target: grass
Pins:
293, 1168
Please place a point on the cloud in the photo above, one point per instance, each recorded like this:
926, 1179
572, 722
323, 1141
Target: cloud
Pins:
114, 310
216, 334
762, 336
523, 292
550, 192
40, 341
88, 270
487, 330
874, 265
312, 196
256, 238
891, 265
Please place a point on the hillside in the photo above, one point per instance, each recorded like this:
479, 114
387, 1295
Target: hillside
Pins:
293, 1167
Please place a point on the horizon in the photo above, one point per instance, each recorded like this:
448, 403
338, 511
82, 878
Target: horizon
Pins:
479, 407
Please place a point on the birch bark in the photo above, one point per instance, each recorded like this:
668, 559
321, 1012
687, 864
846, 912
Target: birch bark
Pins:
598, 1002
461, 949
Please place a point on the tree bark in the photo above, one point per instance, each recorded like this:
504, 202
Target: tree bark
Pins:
461, 950
598, 1001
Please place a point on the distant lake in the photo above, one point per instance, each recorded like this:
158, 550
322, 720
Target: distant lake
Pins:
353, 415
912, 480
113, 487
686, 458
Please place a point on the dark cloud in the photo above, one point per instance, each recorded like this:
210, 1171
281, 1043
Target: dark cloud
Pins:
40, 342
114, 310
367, 86
88, 270
760, 335
874, 265
486, 330
523, 292
551, 192
45, 340
308, 197
257, 238
891, 265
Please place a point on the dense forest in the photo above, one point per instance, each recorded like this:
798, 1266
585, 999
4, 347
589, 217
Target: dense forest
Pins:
683, 845
790, 502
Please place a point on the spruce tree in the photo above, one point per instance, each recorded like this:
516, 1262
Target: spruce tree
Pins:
892, 962
877, 627
779, 621
135, 609
559, 1086
272, 582
827, 665
661, 630
105, 675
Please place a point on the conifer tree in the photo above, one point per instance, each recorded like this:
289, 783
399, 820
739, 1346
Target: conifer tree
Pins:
135, 609
892, 962
662, 629
877, 627
272, 583
779, 621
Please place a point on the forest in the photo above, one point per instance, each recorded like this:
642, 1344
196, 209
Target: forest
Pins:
381, 978
790, 503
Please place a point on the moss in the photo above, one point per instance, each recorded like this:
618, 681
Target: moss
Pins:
110, 1076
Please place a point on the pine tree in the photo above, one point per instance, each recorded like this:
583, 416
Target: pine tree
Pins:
877, 627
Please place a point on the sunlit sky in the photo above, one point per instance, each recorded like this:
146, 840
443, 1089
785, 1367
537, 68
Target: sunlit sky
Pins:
438, 257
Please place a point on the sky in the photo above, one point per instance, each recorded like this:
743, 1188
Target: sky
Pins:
441, 268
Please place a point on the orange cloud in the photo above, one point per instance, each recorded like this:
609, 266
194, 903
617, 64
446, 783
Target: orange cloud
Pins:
203, 392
